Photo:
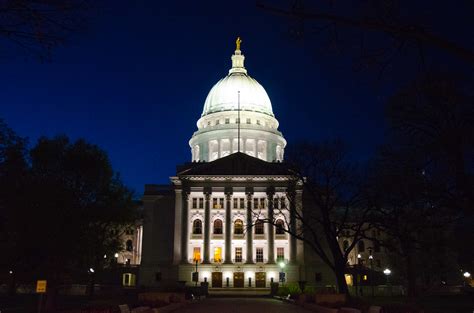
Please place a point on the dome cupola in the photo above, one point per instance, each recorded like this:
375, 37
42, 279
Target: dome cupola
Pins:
220, 129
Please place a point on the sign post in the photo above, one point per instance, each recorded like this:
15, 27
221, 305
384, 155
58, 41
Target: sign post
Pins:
41, 290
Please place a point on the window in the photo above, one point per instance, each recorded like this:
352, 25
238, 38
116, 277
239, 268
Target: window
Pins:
262, 203
258, 122
238, 227
242, 203
248, 121
235, 200
238, 254
158, 276
237, 120
218, 227
197, 227
227, 120
208, 123
280, 254
201, 203
255, 203
345, 245
259, 227
197, 254
361, 246
217, 203
217, 122
279, 230
129, 245
195, 203
217, 254
259, 254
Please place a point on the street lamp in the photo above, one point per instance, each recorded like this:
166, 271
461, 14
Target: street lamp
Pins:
387, 273
282, 273
371, 259
466, 274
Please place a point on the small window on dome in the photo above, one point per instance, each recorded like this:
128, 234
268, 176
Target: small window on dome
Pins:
248, 121
209, 123
217, 122
258, 122
227, 120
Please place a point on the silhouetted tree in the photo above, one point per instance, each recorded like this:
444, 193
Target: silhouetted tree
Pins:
35, 27
331, 206
67, 211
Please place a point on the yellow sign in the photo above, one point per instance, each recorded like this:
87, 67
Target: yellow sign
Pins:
41, 286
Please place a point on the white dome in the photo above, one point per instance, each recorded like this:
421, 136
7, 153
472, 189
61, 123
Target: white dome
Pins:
224, 95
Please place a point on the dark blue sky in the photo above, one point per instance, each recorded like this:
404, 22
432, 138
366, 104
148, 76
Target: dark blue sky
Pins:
136, 81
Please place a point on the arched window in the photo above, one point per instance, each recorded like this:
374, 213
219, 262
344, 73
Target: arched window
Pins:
218, 227
345, 245
280, 227
361, 246
238, 227
129, 245
197, 227
259, 227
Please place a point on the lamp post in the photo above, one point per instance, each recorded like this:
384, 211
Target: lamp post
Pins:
387, 273
282, 271
371, 260
466, 275
357, 274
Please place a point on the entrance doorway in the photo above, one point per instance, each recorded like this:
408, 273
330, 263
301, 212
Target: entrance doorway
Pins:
260, 279
216, 279
238, 279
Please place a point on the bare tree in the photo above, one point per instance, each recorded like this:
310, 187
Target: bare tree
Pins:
35, 27
330, 206
378, 33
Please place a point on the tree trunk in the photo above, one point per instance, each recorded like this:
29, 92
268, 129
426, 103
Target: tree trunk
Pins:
411, 275
339, 271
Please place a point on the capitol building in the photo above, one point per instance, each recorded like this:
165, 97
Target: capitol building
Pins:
213, 218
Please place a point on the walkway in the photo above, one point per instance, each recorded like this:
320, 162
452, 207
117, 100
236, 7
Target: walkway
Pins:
247, 305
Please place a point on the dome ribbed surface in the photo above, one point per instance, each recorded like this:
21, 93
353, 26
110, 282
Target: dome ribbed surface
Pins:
223, 96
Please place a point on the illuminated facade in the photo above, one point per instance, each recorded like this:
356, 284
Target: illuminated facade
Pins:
211, 218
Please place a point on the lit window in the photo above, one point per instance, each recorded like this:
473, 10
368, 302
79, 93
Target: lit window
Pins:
259, 227
197, 254
280, 254
218, 254
238, 227
197, 227
238, 254
259, 255
218, 227
280, 227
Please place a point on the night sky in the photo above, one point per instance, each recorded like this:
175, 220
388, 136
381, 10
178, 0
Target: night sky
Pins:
135, 83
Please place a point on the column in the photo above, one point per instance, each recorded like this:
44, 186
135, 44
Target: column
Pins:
292, 200
184, 227
207, 226
249, 228
271, 228
228, 228
218, 148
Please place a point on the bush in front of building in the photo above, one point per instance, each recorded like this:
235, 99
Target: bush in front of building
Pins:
289, 289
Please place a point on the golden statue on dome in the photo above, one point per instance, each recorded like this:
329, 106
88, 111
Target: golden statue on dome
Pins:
237, 43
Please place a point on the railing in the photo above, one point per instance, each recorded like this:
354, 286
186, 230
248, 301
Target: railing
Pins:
258, 260
238, 260
279, 260
196, 236
193, 261
216, 261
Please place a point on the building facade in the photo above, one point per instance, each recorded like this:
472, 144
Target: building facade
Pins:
213, 218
